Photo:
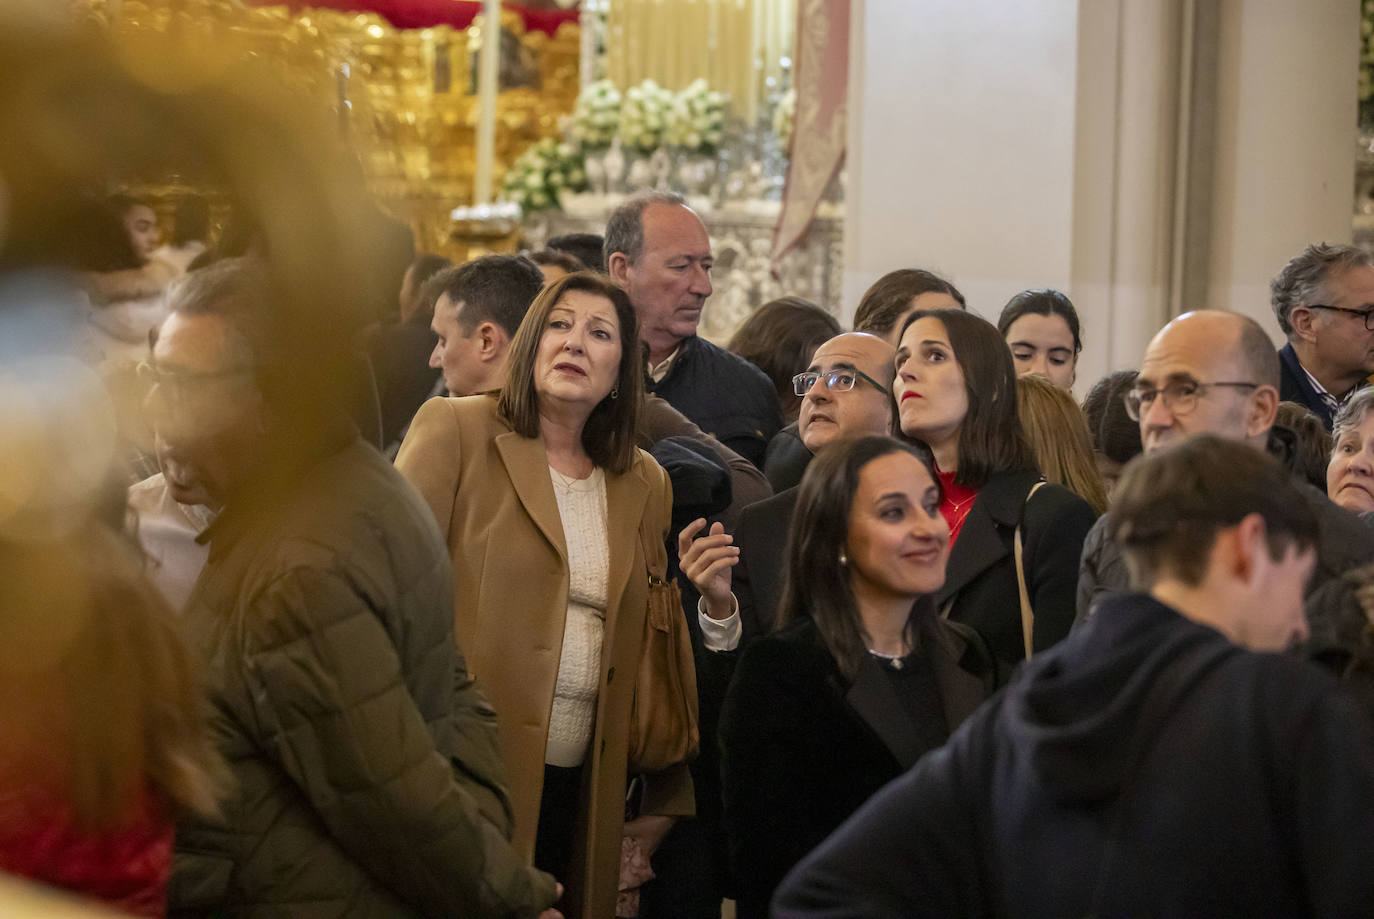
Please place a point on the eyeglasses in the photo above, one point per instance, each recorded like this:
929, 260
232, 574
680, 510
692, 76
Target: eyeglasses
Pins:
179, 384
1366, 315
842, 380
1180, 396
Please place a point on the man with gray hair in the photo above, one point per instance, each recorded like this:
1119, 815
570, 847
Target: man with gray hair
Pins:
367, 773
658, 249
1324, 302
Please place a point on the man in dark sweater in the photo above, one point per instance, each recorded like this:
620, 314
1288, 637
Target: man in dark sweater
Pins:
1324, 303
658, 249
1161, 761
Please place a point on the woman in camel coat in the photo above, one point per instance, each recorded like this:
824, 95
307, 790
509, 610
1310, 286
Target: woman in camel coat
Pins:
545, 570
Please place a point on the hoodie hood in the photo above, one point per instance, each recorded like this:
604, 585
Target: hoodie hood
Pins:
1082, 714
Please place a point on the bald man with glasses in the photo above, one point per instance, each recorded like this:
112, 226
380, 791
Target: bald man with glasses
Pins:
1215, 372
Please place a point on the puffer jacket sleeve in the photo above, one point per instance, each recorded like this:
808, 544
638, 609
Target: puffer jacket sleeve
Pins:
330, 704
475, 749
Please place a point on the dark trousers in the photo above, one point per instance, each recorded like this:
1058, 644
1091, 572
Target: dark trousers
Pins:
558, 809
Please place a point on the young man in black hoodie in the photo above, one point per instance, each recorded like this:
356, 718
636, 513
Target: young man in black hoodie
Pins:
1161, 761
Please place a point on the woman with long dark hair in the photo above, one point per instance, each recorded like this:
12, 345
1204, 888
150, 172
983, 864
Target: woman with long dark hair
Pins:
1015, 540
862, 676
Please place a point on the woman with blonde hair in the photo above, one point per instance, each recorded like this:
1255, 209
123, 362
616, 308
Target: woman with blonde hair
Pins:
103, 743
1059, 438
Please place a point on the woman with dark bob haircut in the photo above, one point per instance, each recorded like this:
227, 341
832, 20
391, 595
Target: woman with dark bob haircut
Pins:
956, 394
862, 676
548, 508
1041, 329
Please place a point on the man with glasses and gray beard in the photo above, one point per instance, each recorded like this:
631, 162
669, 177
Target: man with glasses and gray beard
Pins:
1215, 372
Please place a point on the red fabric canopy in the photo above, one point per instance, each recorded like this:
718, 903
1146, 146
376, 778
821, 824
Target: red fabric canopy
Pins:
421, 14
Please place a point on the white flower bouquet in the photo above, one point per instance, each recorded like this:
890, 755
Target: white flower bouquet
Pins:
596, 118
698, 122
645, 114
542, 173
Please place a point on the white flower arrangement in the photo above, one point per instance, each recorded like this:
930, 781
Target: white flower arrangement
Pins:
784, 118
596, 118
698, 122
543, 172
645, 114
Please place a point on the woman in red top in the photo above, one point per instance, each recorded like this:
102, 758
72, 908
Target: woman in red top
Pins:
102, 741
956, 393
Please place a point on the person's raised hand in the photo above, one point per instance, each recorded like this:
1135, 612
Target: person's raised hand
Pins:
707, 562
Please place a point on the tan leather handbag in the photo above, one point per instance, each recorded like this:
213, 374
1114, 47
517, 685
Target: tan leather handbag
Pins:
664, 728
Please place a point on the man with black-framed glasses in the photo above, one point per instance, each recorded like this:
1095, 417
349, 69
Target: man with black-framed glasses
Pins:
1324, 302
1215, 372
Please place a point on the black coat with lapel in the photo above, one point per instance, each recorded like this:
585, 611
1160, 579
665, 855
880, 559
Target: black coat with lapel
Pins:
802, 749
762, 569
981, 575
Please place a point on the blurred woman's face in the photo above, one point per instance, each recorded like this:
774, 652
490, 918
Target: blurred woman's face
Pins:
898, 539
1350, 474
932, 400
141, 224
1043, 345
578, 361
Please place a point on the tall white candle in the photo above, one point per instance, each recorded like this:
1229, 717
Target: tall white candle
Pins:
488, 76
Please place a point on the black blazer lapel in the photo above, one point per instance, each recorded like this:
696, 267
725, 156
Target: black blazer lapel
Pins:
947, 647
985, 539
876, 702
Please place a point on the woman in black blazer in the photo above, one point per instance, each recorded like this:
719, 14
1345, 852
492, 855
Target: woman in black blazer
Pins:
956, 393
862, 677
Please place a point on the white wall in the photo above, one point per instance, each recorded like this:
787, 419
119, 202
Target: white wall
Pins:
961, 144
1049, 143
1285, 174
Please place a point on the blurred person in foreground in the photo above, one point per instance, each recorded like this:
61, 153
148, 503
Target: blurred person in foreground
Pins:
1163, 760
104, 741
366, 772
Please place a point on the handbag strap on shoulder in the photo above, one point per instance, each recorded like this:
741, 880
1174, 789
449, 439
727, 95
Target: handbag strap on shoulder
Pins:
1027, 614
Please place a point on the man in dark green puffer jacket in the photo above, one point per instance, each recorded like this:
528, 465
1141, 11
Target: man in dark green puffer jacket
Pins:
368, 781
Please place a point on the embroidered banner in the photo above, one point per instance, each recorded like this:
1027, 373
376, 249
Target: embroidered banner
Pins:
818, 132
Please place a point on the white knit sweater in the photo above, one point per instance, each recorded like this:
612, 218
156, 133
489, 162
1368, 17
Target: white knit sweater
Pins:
582, 506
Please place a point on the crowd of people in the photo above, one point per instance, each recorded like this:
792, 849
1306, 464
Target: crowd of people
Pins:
948, 643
